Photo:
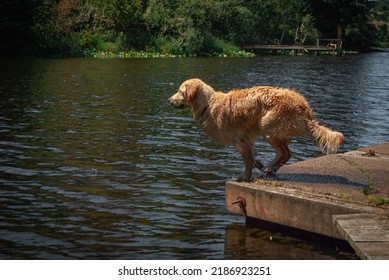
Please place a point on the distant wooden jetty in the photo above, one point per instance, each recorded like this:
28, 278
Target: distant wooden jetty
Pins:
322, 45
331, 45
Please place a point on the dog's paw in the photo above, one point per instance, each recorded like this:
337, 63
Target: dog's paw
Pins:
271, 172
267, 170
244, 179
258, 164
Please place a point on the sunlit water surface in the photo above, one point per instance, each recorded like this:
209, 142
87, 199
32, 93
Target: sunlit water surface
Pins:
96, 164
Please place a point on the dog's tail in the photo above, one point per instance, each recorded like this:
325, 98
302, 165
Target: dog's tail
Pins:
326, 139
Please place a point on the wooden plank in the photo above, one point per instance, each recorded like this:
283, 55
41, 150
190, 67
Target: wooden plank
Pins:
289, 47
368, 234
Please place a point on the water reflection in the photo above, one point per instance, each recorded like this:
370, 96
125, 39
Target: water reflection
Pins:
95, 163
251, 243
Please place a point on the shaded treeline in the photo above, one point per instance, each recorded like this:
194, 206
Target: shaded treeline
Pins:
80, 27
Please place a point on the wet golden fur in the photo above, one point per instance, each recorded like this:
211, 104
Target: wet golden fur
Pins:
239, 117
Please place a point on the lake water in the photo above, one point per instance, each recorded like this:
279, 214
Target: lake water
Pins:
95, 164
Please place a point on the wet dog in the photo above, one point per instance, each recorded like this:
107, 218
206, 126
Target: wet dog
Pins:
239, 117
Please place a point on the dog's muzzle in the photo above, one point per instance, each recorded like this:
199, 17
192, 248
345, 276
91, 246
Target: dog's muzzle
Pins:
175, 104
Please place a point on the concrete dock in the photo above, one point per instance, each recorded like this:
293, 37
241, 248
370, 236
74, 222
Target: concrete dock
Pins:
343, 196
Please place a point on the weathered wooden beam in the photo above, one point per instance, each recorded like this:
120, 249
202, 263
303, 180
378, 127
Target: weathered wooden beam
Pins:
288, 47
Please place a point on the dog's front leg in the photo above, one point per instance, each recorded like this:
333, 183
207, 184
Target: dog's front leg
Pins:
246, 150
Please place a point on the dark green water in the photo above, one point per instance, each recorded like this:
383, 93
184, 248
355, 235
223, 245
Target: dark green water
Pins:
94, 162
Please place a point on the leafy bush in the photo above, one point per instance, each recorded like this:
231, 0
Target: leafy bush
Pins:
183, 27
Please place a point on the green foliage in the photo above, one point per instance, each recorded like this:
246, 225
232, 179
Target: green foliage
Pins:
351, 15
233, 21
379, 200
184, 27
381, 10
177, 28
344, 195
381, 23
15, 18
382, 36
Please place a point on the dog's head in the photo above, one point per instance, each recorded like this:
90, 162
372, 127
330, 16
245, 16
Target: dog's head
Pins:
186, 93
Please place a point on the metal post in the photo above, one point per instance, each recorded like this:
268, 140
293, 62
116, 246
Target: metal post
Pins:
339, 43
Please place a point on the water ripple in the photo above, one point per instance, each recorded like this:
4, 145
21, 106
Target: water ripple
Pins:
95, 163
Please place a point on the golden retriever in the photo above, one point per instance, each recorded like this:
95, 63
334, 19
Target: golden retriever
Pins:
238, 117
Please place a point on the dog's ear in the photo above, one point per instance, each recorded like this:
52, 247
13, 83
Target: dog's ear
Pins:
191, 90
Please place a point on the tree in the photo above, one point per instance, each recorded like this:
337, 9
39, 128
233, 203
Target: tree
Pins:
81, 27
351, 15
234, 21
380, 20
127, 16
15, 18
382, 10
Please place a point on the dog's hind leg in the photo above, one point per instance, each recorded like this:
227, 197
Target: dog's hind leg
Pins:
258, 164
283, 154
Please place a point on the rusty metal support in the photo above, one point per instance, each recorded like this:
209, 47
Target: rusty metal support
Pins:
241, 201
